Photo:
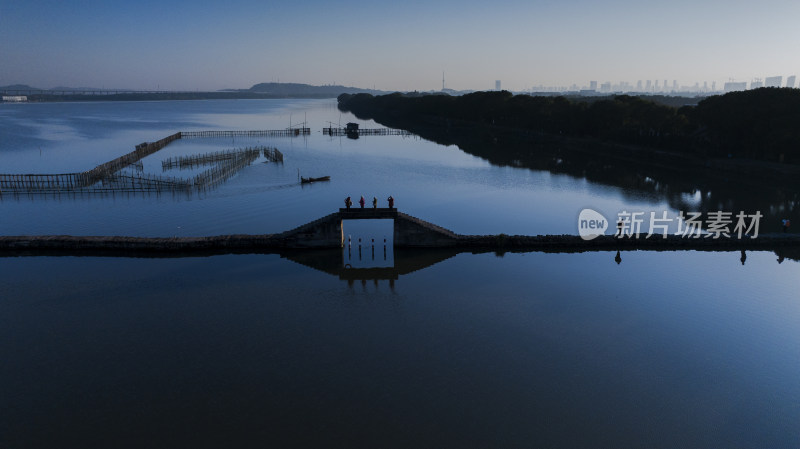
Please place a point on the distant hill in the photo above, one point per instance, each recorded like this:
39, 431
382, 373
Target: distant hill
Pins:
18, 87
261, 90
296, 89
58, 88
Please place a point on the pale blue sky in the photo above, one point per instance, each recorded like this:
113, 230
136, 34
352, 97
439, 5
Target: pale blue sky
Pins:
393, 45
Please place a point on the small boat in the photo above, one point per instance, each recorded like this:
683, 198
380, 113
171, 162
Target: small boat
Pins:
310, 180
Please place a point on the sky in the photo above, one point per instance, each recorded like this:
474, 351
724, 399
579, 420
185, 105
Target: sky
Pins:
393, 45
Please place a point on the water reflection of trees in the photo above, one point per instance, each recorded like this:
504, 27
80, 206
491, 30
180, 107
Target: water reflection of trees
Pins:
677, 179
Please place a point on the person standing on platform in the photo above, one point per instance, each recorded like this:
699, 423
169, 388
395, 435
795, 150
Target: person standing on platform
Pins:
391, 202
374, 202
361, 201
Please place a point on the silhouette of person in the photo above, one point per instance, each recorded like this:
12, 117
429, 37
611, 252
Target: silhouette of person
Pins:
361, 201
347, 202
391, 202
374, 203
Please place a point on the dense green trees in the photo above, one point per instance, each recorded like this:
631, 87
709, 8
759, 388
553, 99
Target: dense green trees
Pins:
757, 124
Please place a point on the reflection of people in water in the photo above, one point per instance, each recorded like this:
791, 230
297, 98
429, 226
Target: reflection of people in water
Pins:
780, 257
618, 258
743, 258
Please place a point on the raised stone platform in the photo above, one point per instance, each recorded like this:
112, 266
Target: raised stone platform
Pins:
327, 232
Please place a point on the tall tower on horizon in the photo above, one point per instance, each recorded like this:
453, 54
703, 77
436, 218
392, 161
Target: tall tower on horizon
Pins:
773, 81
442, 80
497, 85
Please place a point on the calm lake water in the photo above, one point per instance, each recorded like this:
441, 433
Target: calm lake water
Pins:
440, 184
420, 349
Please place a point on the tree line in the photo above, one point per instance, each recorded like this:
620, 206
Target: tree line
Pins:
762, 124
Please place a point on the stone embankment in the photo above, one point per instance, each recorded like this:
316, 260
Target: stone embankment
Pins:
609, 242
77, 244
10, 245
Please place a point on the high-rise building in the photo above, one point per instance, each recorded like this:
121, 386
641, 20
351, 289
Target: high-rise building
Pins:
675, 85
639, 85
647, 85
497, 85
665, 86
773, 81
592, 85
757, 83
790, 81
731, 86
714, 86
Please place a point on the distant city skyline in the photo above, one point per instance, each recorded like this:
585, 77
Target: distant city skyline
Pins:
204, 45
667, 86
